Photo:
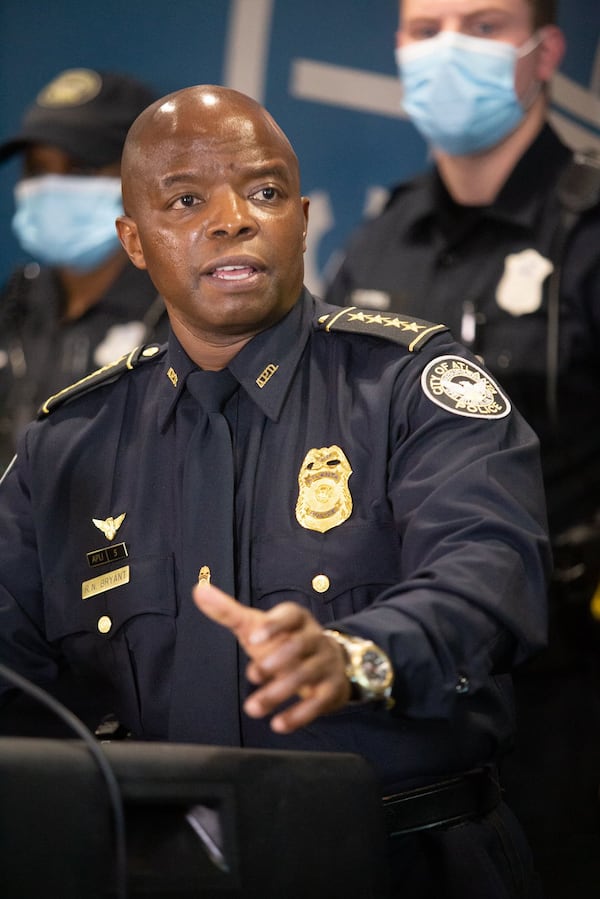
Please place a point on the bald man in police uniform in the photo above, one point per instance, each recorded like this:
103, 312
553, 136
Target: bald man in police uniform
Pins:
384, 559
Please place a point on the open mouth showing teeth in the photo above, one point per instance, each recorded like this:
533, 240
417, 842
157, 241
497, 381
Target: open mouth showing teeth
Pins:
233, 272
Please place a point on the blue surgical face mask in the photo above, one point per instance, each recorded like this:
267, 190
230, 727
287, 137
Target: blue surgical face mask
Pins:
68, 220
459, 91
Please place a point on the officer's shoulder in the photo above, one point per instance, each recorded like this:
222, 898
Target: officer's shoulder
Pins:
578, 187
108, 373
402, 190
406, 330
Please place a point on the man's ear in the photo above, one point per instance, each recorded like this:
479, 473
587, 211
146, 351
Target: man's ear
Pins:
551, 51
128, 235
305, 204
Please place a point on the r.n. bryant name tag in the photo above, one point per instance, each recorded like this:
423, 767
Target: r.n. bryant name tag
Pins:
104, 582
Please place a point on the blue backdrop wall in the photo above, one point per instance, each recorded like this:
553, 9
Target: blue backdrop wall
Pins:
324, 68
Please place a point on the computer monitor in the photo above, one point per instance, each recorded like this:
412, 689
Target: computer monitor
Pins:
199, 821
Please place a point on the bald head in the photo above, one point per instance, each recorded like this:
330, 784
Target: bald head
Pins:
204, 113
213, 211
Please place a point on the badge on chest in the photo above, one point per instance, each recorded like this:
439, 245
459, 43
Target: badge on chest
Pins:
520, 289
324, 499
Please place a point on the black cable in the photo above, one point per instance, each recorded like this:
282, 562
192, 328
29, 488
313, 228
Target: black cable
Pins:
114, 792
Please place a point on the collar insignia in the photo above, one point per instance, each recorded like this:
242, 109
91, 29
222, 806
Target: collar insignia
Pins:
266, 374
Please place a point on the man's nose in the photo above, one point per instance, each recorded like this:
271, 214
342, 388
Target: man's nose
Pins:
229, 215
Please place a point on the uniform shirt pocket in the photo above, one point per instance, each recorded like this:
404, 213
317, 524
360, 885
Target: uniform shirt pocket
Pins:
107, 600
334, 574
122, 632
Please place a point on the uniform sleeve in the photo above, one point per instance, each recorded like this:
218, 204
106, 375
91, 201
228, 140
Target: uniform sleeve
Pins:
23, 646
468, 505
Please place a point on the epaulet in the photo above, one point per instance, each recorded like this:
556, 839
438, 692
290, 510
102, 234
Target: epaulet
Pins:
412, 333
104, 375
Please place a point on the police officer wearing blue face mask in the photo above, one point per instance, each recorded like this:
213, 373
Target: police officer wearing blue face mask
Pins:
77, 303
460, 92
483, 241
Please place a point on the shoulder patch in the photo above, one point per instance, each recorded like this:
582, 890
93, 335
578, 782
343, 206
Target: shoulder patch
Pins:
462, 387
104, 375
412, 333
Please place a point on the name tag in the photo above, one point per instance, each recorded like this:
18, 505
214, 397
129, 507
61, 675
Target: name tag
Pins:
104, 582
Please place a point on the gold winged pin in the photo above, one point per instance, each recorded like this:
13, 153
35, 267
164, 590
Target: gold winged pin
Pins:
110, 525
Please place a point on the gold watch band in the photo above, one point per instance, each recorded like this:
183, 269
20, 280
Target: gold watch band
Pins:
356, 651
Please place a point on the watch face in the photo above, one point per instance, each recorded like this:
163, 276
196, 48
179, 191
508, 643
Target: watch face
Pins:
376, 668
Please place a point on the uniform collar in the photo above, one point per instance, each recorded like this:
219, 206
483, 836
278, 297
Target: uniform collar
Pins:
264, 367
519, 202
526, 190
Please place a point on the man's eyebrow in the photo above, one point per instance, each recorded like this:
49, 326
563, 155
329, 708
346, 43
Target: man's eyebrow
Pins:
273, 169
178, 178
268, 169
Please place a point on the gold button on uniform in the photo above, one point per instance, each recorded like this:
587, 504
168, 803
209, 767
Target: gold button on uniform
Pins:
320, 583
104, 624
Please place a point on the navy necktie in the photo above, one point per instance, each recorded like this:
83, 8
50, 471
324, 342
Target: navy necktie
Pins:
204, 700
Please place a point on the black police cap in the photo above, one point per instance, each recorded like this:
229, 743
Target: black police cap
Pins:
83, 112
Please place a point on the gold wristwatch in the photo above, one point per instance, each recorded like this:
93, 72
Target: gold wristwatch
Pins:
368, 669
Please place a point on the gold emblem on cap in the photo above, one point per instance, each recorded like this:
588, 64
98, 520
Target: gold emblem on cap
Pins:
109, 526
74, 87
324, 499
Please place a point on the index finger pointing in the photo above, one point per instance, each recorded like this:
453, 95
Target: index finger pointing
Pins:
219, 606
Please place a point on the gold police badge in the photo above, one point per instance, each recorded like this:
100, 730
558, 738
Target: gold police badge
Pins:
324, 499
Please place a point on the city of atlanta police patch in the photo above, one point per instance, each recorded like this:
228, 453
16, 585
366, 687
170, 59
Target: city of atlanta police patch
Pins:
460, 386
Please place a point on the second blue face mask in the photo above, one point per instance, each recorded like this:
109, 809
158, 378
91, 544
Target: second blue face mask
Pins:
68, 220
459, 91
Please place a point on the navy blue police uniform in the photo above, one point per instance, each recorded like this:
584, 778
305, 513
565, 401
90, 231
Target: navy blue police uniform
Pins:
41, 352
439, 554
485, 272
494, 274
